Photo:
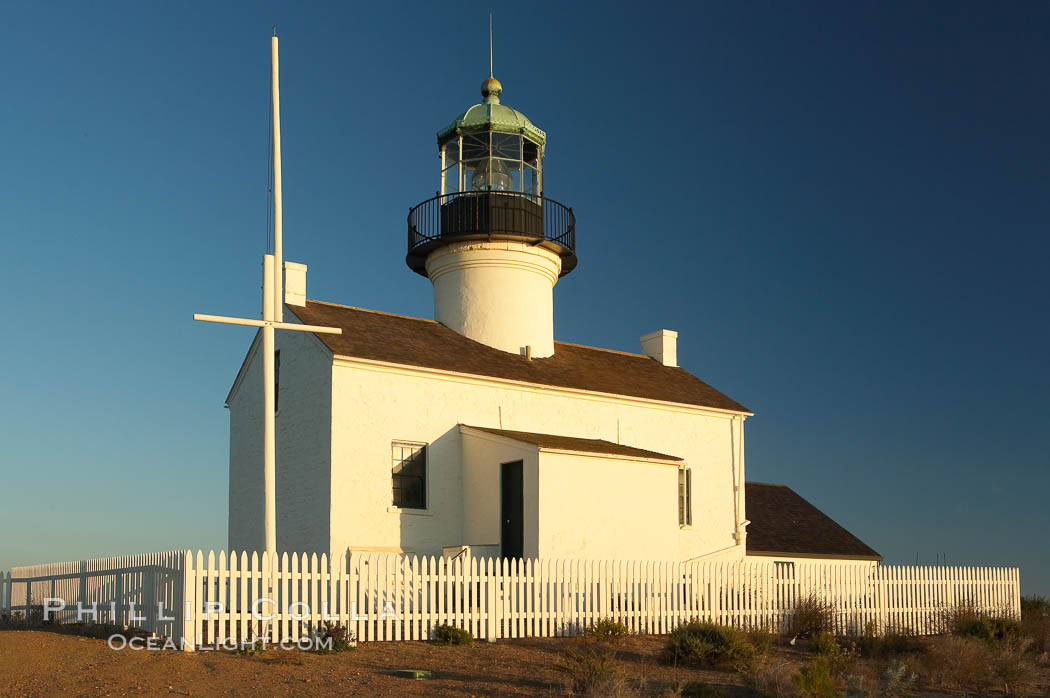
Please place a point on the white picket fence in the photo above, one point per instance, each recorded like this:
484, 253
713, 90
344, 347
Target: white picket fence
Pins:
138, 591
220, 599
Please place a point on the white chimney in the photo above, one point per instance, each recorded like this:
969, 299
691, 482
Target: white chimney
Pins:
662, 345
295, 283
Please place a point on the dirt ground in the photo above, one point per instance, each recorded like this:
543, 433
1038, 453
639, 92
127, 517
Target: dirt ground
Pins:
43, 663
40, 663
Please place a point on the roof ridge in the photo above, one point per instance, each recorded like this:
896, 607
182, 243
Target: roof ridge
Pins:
611, 351
767, 484
377, 312
422, 319
561, 436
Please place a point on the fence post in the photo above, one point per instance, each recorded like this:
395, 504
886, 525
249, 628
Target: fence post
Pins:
882, 600
490, 589
187, 604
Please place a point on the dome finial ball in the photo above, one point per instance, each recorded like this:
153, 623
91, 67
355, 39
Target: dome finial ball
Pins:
491, 89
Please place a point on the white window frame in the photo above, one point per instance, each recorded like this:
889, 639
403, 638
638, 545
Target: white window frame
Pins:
685, 497
403, 443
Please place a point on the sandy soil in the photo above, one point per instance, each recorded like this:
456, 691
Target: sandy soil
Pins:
39, 663
44, 663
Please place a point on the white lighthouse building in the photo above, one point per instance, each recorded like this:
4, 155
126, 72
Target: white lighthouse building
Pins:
479, 430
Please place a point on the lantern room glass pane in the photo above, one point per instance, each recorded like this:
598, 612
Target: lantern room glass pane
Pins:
451, 175
475, 146
531, 152
506, 145
529, 180
451, 152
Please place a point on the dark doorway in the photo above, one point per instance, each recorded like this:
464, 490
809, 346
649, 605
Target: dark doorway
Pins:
511, 506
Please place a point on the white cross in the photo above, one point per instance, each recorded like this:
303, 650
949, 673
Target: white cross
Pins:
273, 319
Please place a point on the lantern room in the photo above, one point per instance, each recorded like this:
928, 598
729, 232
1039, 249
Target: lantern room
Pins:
491, 147
491, 186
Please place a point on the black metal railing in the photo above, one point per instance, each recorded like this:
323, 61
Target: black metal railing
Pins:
490, 215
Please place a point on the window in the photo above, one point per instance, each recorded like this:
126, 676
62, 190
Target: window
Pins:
409, 475
685, 497
276, 381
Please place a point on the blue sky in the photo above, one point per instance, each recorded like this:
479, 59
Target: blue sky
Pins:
843, 209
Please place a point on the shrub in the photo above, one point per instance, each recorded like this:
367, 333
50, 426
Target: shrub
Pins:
1019, 677
967, 620
815, 680
812, 615
889, 645
450, 635
593, 673
761, 640
25, 620
1035, 621
824, 644
958, 662
896, 679
334, 638
1035, 605
708, 644
607, 628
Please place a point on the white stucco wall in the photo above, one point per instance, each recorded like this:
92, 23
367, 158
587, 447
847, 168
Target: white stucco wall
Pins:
576, 505
303, 448
374, 404
483, 455
606, 508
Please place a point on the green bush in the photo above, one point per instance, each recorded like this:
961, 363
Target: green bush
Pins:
812, 616
607, 628
762, 640
335, 638
896, 680
891, 644
711, 645
450, 635
815, 680
966, 620
1035, 606
824, 644
987, 627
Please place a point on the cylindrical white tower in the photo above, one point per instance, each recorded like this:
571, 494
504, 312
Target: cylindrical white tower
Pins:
492, 245
499, 293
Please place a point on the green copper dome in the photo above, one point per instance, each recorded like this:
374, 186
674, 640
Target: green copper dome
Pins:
490, 115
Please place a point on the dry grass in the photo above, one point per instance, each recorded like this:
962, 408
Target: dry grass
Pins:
773, 678
1035, 622
978, 666
594, 672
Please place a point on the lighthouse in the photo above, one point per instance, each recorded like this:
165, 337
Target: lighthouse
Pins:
491, 243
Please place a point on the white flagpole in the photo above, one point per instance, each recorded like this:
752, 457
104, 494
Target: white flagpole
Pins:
273, 304
269, 425
278, 204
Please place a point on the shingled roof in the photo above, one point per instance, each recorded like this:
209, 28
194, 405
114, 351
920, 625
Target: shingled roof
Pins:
573, 443
783, 523
368, 334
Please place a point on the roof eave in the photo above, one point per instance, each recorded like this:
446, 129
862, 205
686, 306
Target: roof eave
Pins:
816, 556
